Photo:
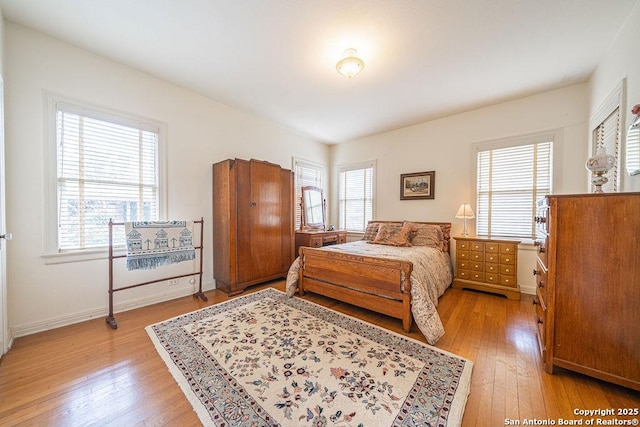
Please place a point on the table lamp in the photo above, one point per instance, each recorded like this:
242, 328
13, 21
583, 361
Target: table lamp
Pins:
465, 212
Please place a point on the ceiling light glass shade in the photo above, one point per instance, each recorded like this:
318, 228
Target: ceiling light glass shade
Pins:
350, 65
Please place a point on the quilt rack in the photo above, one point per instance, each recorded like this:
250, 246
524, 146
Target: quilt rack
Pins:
110, 318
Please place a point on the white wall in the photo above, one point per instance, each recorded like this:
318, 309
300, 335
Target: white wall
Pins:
445, 146
4, 323
621, 60
2, 25
200, 132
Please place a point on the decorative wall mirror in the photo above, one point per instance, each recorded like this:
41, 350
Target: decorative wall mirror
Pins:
314, 208
633, 144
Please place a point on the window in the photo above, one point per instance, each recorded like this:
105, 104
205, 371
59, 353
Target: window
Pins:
607, 135
106, 167
606, 125
633, 148
306, 174
511, 177
355, 196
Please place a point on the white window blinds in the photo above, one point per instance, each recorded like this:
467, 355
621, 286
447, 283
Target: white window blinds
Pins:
509, 181
607, 135
355, 196
306, 174
633, 148
106, 168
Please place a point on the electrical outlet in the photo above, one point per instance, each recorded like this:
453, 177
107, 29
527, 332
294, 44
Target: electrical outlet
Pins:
174, 282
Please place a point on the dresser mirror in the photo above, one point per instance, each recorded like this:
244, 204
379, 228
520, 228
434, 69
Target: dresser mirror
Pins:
313, 209
633, 147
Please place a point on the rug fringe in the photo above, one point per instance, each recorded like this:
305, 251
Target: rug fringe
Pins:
146, 262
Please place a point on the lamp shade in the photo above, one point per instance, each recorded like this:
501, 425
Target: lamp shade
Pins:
465, 211
350, 65
599, 165
601, 161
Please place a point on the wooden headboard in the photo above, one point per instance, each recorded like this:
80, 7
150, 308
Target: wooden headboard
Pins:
444, 226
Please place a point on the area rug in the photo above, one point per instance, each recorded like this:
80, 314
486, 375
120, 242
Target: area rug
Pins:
268, 360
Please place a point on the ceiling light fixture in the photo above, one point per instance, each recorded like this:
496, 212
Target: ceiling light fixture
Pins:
350, 65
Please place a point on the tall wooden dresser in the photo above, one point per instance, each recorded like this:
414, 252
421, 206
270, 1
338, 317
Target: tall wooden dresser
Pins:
588, 285
253, 225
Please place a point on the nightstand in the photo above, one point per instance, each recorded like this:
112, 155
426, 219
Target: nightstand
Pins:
488, 265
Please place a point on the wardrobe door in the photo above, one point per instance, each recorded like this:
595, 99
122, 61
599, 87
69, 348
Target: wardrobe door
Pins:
224, 224
266, 232
286, 221
243, 233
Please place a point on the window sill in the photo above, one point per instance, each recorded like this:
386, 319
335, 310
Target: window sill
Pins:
79, 256
524, 241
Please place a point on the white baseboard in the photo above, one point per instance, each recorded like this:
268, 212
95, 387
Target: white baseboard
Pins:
9, 343
529, 290
32, 328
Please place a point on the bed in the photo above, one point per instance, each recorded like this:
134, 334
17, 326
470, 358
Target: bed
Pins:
382, 274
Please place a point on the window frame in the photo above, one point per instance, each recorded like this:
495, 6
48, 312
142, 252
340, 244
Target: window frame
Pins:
614, 101
555, 136
296, 161
357, 166
50, 251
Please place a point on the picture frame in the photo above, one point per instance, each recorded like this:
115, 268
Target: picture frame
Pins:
418, 185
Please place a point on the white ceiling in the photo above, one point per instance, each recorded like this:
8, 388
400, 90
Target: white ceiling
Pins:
424, 59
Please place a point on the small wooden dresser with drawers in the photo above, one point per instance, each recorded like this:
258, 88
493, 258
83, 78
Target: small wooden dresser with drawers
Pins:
488, 265
318, 239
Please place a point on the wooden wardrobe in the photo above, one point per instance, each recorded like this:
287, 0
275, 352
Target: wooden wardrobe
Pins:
588, 285
253, 226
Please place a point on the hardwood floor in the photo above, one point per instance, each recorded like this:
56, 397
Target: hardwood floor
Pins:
88, 374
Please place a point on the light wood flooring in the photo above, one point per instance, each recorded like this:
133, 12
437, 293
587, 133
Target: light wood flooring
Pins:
88, 374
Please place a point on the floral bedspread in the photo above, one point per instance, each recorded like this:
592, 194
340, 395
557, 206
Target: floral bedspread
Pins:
432, 274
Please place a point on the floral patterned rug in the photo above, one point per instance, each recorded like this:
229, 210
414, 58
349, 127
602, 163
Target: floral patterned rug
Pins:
266, 360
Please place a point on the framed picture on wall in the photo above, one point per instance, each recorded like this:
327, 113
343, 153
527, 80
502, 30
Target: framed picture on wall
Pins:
417, 186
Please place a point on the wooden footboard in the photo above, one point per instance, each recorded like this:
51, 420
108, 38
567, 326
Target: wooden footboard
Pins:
381, 285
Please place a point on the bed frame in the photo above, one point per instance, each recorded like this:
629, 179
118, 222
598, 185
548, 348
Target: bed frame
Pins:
377, 284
